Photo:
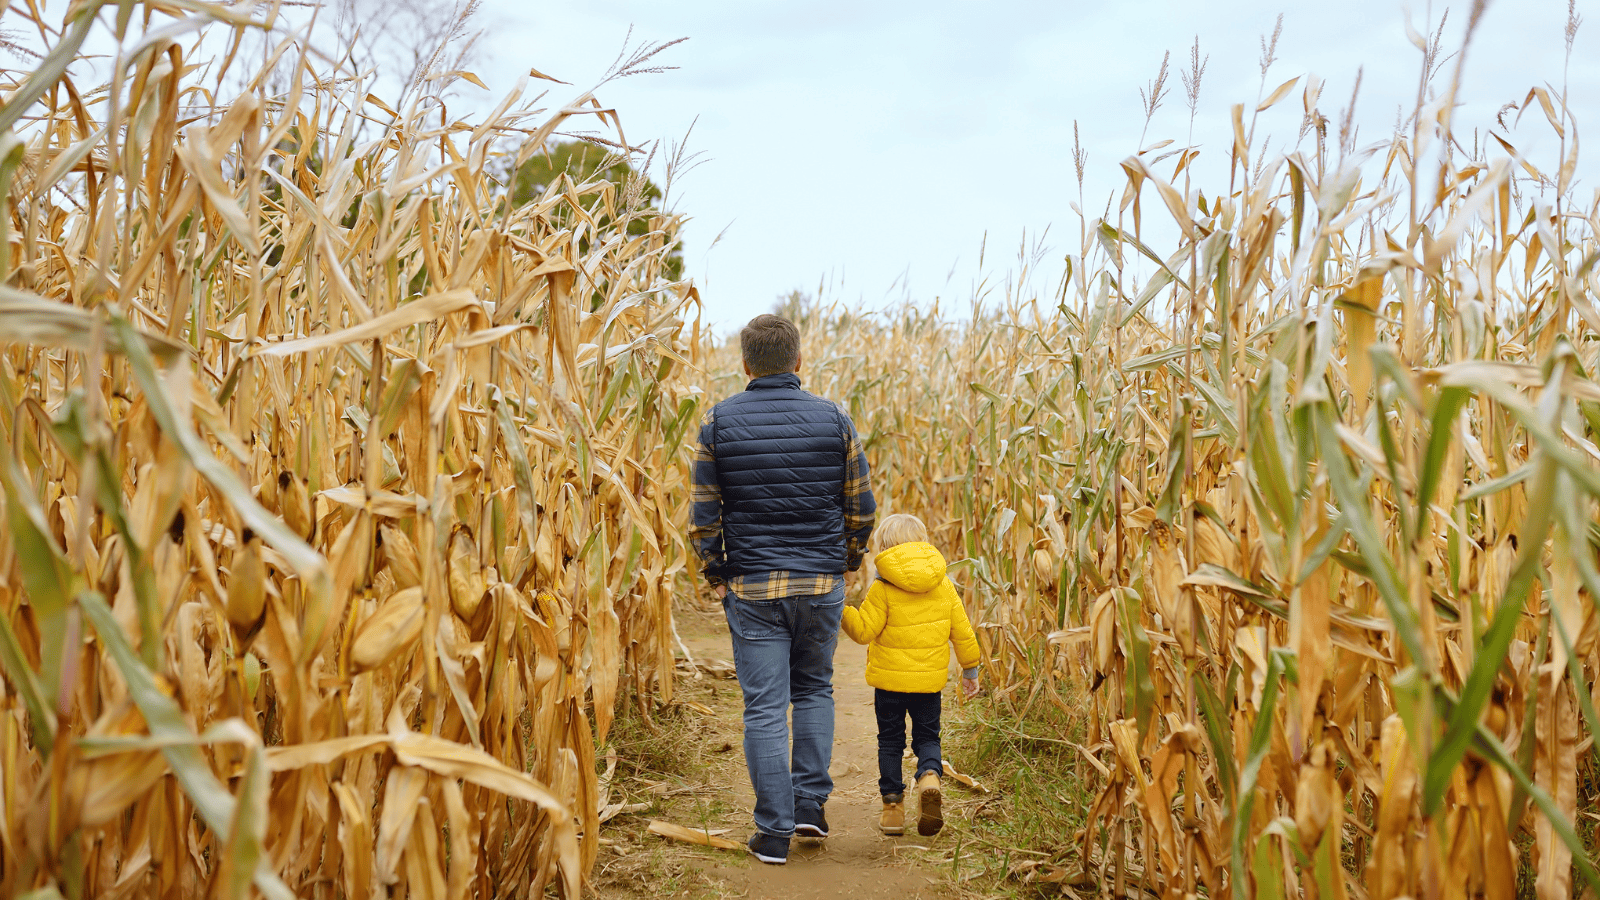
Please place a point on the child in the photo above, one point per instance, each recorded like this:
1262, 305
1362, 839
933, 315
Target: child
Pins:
910, 617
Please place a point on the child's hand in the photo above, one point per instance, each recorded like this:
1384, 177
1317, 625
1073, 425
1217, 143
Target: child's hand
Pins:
969, 687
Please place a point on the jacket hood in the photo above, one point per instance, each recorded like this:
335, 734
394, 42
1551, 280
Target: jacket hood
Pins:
916, 566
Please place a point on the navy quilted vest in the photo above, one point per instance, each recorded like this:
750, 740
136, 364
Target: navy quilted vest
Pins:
780, 464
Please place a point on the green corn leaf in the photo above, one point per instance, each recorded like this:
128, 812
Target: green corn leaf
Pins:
1167, 507
1393, 459
676, 430
1445, 410
619, 384
1219, 730
1579, 684
41, 711
1285, 828
1268, 452
1489, 379
48, 579
405, 376
521, 472
1353, 504
1496, 644
1324, 548
1487, 745
1266, 867
1496, 485
1141, 688
1111, 237
244, 857
1157, 283
217, 808
1260, 742
1572, 539
1222, 409
1386, 361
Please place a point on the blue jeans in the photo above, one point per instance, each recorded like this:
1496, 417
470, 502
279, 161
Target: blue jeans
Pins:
783, 650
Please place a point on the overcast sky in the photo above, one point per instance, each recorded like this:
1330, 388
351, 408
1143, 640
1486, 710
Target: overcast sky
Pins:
873, 148
871, 145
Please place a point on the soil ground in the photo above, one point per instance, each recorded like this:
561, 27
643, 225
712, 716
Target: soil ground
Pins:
693, 775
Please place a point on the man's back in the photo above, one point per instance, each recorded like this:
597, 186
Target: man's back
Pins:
781, 455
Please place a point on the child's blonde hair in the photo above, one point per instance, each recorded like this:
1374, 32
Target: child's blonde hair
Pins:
900, 528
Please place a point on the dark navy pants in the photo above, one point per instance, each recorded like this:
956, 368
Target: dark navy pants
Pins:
892, 708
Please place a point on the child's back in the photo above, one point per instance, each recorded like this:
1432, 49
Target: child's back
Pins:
910, 617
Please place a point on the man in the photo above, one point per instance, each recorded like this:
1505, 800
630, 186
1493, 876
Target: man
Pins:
782, 509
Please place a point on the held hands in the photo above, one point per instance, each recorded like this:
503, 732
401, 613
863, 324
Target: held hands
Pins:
852, 596
720, 591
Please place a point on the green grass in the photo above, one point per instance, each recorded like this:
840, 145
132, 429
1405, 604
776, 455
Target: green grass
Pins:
678, 762
1039, 791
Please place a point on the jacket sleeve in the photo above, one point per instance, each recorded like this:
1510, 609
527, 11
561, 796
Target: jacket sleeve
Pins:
705, 533
860, 509
863, 625
968, 654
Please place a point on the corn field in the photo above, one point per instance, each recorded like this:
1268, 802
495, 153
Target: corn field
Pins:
344, 503
1303, 499
340, 506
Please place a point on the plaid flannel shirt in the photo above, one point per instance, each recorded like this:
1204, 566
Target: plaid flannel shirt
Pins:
706, 534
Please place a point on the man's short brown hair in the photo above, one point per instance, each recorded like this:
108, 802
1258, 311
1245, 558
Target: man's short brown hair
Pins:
771, 345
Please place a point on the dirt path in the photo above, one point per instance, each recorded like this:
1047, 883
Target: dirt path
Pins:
856, 860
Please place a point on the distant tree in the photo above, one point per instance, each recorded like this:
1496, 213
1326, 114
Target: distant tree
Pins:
583, 162
807, 311
796, 306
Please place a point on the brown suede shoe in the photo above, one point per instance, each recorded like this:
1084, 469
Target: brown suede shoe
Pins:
930, 817
893, 818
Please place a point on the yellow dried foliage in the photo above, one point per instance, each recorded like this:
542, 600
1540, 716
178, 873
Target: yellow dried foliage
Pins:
339, 494
1300, 491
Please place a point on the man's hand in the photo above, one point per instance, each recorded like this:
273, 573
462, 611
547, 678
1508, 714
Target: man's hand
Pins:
720, 591
853, 581
969, 687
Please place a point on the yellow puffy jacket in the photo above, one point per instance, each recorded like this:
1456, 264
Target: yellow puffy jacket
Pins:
910, 617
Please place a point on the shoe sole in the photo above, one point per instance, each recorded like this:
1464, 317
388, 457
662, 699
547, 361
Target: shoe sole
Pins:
929, 817
893, 832
811, 832
771, 860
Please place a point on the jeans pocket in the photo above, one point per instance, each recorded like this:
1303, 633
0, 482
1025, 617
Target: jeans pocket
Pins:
753, 620
825, 618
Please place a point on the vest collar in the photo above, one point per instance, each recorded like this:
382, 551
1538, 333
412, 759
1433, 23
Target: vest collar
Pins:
782, 380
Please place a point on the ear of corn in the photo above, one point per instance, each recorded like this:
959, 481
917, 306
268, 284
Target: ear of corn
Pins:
324, 481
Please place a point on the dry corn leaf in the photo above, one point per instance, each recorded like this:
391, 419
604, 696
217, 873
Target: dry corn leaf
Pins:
691, 835
963, 779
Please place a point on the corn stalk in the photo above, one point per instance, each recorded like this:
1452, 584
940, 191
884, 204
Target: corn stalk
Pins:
338, 492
